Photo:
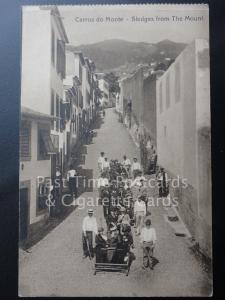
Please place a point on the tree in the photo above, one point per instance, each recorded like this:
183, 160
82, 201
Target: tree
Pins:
112, 79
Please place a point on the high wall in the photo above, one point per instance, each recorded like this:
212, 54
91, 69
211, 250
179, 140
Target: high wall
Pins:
204, 230
136, 83
149, 106
183, 136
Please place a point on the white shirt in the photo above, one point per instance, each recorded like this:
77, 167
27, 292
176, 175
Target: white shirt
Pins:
149, 145
139, 206
148, 235
106, 164
58, 173
126, 162
136, 166
71, 173
101, 161
102, 182
90, 224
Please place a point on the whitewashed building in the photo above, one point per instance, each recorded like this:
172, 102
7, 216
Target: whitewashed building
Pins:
42, 73
183, 136
104, 87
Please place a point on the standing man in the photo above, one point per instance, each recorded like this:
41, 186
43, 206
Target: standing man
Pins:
153, 163
163, 183
149, 143
135, 168
101, 161
58, 188
72, 179
126, 164
105, 199
139, 214
102, 182
106, 167
143, 192
89, 230
148, 241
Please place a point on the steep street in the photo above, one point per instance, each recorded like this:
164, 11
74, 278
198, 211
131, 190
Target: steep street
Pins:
55, 267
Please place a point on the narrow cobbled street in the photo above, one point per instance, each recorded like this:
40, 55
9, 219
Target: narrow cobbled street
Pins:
55, 267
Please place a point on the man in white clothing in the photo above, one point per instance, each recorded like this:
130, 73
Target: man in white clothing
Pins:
139, 214
126, 164
101, 161
103, 181
135, 168
148, 241
106, 167
89, 230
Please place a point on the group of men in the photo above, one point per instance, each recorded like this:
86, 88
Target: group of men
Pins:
131, 169
120, 215
96, 242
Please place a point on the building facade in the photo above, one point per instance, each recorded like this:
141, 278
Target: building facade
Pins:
43, 57
42, 73
183, 136
73, 127
36, 149
104, 87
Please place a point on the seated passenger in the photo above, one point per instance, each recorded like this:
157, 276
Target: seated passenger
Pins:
126, 243
113, 241
101, 242
125, 232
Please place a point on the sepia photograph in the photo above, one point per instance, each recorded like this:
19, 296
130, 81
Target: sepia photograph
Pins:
115, 151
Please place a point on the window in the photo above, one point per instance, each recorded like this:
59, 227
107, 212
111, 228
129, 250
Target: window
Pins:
177, 82
62, 115
45, 145
52, 108
25, 141
43, 191
168, 91
160, 98
88, 98
75, 123
61, 60
80, 100
89, 77
57, 112
80, 73
52, 103
165, 131
53, 48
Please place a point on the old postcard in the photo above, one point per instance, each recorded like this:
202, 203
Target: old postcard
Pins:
115, 158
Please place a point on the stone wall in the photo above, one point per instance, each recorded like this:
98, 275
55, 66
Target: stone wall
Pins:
149, 106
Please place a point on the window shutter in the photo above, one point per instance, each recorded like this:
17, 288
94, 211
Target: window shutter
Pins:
25, 149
